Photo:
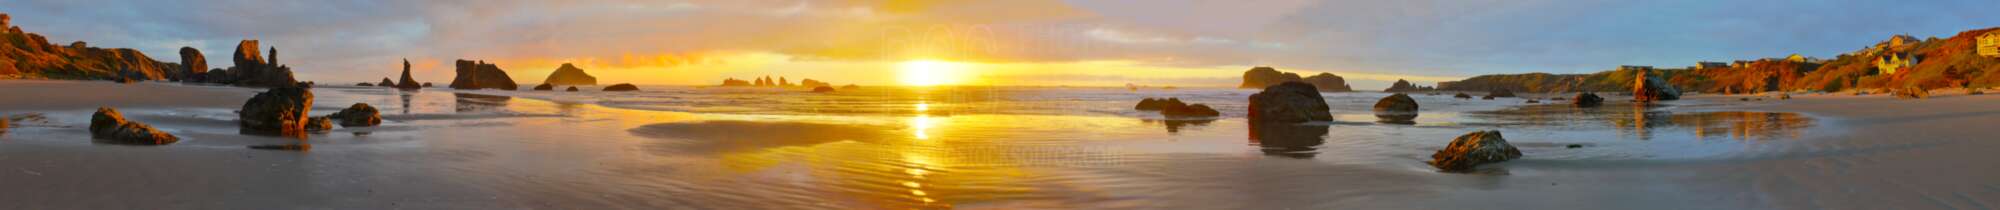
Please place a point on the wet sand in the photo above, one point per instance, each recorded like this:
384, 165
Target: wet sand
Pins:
439, 149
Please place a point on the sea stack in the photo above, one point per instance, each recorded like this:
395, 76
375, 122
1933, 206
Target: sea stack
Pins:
407, 83
253, 70
193, 64
1401, 86
1291, 102
1327, 82
1263, 76
474, 75
569, 75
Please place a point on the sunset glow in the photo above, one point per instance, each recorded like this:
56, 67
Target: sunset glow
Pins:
931, 73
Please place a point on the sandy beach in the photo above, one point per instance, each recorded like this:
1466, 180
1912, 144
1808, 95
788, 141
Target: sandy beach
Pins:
446, 149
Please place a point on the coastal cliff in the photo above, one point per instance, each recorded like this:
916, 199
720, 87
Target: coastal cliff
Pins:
1902, 62
25, 55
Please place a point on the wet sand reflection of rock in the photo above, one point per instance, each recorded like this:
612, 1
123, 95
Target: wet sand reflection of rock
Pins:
1288, 140
1647, 122
1174, 126
478, 103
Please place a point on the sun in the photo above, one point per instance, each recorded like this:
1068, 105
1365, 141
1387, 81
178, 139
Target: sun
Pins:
931, 72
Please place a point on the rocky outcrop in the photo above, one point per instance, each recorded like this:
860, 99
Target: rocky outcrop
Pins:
277, 111
1398, 108
25, 55
1473, 149
107, 124
474, 75
1649, 88
1327, 82
407, 82
358, 115
570, 75
1290, 102
386, 83
1587, 100
1260, 77
1462, 96
822, 89
546, 86
571, 89
252, 70
622, 87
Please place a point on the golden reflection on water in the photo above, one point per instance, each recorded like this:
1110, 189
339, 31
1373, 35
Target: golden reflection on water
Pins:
1650, 122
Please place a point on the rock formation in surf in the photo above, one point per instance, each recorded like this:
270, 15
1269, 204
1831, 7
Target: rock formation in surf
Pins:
1290, 102
569, 75
1473, 149
107, 124
474, 75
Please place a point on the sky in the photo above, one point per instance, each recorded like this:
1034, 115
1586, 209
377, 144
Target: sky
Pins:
1016, 42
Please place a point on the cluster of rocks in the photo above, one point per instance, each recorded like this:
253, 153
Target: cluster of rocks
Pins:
406, 83
252, 68
766, 81
1261, 77
283, 111
1174, 108
1298, 102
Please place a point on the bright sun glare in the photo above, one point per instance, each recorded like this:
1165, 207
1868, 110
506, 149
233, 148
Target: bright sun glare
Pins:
930, 72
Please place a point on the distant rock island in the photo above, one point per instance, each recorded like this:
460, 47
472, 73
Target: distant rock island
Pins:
25, 55
1262, 76
766, 81
473, 75
569, 75
1969, 59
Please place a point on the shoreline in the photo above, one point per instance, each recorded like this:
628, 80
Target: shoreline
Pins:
538, 153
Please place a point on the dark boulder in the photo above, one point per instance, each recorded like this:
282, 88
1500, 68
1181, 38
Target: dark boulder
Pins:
1487, 97
317, 124
622, 87
1649, 88
570, 75
386, 83
1462, 96
1289, 102
1190, 111
107, 124
1152, 104
545, 86
473, 75
1587, 100
571, 89
1473, 149
278, 110
364, 84
1399, 108
822, 89
358, 115
427, 84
